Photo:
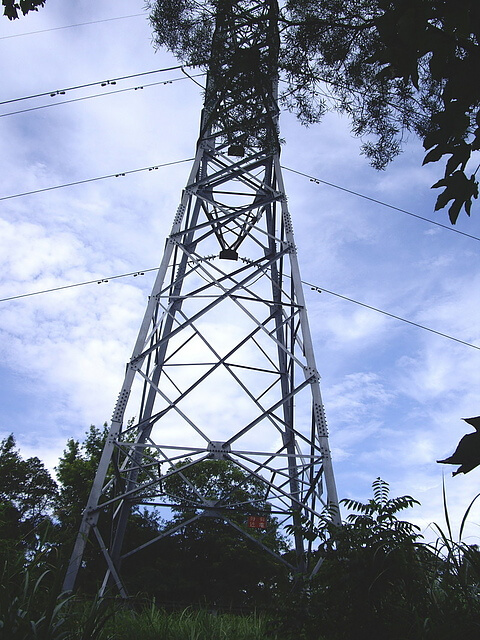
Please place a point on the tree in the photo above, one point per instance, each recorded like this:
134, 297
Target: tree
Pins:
75, 472
378, 579
375, 574
392, 66
11, 8
27, 496
208, 560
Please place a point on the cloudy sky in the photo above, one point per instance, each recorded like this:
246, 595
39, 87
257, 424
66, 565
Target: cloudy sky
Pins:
394, 393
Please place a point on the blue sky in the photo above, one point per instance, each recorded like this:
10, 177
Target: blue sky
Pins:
394, 394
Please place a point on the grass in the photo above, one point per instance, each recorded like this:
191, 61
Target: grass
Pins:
154, 624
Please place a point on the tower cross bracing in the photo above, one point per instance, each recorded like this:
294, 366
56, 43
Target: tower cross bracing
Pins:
223, 367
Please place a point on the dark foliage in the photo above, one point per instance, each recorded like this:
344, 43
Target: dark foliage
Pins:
27, 497
208, 561
467, 453
379, 580
391, 66
11, 8
75, 473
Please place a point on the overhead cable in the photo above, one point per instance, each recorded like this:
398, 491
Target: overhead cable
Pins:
79, 284
102, 83
99, 95
313, 287
318, 289
384, 204
111, 175
70, 26
300, 173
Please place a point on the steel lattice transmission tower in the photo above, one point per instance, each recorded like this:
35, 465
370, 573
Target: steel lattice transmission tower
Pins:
223, 367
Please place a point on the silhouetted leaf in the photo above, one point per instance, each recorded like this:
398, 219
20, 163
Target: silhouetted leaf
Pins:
436, 153
458, 188
476, 142
460, 156
11, 7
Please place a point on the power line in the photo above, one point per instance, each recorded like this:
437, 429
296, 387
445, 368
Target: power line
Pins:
70, 26
111, 175
384, 204
100, 95
103, 83
300, 173
313, 287
79, 284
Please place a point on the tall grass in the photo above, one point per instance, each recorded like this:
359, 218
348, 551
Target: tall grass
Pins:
29, 605
154, 624
32, 607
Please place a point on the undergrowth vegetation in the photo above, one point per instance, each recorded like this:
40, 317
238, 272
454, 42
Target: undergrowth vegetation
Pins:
376, 578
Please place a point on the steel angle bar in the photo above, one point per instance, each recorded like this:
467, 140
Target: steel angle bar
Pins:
225, 295
265, 413
173, 405
240, 194
299, 471
254, 319
287, 496
271, 409
276, 454
166, 311
111, 566
216, 365
312, 491
231, 211
131, 492
202, 225
157, 287
262, 350
235, 365
129, 463
179, 471
265, 466
264, 234
253, 297
165, 534
240, 170
172, 382
277, 556
283, 472
261, 272
188, 449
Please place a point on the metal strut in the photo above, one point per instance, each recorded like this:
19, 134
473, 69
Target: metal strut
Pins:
223, 367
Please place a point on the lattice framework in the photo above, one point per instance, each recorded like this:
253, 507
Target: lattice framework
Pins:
223, 367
